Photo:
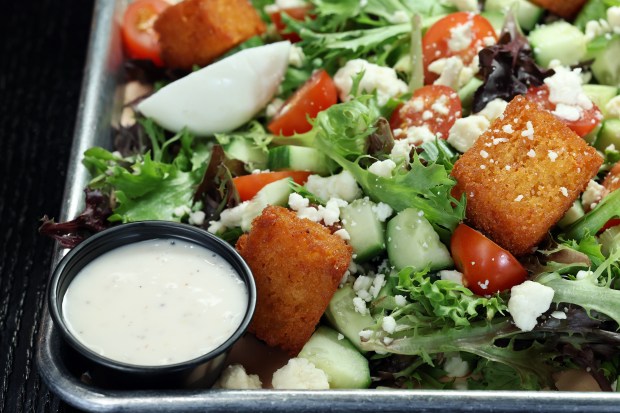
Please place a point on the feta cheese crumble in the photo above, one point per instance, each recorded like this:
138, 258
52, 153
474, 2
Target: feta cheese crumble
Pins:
341, 186
466, 131
382, 79
528, 301
235, 377
300, 374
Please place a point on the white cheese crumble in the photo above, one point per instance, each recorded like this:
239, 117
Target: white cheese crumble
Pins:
552, 155
528, 301
593, 194
519, 198
414, 136
400, 300
274, 107
235, 377
382, 211
461, 36
531, 153
341, 186
564, 191
494, 109
453, 72
382, 79
560, 315
566, 92
229, 218
388, 324
329, 214
399, 16
284, 4
296, 56
300, 374
466, 131
455, 366
343, 233
451, 275
382, 168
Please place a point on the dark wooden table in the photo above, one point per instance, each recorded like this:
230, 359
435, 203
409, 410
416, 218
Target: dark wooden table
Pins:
42, 52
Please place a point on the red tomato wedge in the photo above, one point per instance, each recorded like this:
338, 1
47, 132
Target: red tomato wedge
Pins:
589, 119
434, 106
609, 224
487, 268
317, 94
139, 37
447, 38
296, 13
248, 185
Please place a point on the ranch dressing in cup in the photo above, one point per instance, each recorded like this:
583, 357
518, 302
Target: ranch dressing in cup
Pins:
156, 302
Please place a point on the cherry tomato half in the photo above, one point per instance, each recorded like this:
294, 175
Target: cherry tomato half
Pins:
487, 268
589, 119
317, 94
248, 185
434, 106
296, 13
139, 37
609, 224
441, 40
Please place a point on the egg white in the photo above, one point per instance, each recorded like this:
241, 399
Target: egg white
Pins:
222, 96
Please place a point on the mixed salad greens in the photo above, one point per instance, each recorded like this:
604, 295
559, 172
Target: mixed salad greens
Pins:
424, 326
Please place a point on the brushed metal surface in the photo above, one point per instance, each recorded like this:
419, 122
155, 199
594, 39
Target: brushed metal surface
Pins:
97, 111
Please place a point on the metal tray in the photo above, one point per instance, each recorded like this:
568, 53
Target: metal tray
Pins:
61, 367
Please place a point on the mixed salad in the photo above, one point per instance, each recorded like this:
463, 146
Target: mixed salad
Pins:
353, 114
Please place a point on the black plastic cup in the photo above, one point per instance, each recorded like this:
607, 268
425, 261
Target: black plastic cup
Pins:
200, 371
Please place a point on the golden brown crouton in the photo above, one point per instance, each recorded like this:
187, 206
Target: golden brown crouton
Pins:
297, 265
612, 179
564, 8
195, 32
522, 174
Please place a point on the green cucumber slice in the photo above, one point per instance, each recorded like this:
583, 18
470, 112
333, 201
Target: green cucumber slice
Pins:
275, 193
300, 158
609, 135
342, 316
345, 367
366, 231
412, 241
528, 14
558, 41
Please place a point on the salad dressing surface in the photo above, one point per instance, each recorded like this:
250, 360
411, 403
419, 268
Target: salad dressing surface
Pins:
156, 302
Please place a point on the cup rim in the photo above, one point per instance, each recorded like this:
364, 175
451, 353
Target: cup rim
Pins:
129, 233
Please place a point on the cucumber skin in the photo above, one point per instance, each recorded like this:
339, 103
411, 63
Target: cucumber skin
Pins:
342, 316
361, 230
345, 367
608, 135
299, 158
406, 234
558, 41
600, 95
606, 66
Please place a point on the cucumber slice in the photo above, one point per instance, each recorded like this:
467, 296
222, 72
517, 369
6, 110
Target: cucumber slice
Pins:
345, 367
573, 214
244, 151
275, 193
600, 95
609, 135
300, 158
412, 241
466, 94
342, 316
366, 231
496, 19
558, 41
528, 14
606, 66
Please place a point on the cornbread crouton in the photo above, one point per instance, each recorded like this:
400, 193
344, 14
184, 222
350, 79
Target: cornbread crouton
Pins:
612, 179
195, 32
522, 174
563, 8
297, 265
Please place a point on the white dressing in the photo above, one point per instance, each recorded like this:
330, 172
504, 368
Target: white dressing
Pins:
155, 302
222, 96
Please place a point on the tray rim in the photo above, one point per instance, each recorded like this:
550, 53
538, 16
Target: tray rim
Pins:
92, 122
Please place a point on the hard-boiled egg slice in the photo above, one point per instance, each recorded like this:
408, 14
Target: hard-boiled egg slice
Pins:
222, 96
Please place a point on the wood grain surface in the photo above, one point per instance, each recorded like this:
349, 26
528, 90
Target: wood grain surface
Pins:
42, 52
